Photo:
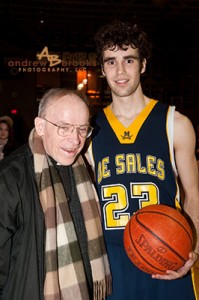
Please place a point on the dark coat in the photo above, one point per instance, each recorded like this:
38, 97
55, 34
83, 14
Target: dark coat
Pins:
9, 148
21, 229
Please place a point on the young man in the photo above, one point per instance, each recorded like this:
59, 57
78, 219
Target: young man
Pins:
51, 244
139, 148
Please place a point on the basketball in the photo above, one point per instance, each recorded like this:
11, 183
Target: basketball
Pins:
158, 238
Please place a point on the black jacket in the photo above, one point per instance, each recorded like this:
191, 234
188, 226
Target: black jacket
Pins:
21, 229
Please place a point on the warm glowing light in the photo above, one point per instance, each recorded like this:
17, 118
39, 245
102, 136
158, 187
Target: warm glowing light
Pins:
84, 81
80, 86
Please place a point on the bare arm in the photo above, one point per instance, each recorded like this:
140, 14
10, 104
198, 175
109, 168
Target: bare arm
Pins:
184, 148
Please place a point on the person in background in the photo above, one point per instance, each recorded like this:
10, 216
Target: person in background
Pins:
139, 148
7, 143
51, 242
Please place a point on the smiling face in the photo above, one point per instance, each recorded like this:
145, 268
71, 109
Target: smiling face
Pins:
67, 109
122, 69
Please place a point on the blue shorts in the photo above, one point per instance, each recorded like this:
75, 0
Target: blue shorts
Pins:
130, 283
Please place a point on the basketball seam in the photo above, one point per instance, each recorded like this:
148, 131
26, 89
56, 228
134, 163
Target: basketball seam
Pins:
154, 212
174, 251
147, 263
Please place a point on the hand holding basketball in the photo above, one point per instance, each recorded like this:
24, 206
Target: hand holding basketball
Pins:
170, 275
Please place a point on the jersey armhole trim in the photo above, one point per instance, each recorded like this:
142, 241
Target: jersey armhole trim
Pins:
170, 134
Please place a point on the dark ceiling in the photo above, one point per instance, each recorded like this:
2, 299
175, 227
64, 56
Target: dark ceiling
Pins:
71, 24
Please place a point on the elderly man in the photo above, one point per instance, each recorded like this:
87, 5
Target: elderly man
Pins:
51, 244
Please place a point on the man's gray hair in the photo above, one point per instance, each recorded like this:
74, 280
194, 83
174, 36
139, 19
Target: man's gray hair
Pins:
53, 95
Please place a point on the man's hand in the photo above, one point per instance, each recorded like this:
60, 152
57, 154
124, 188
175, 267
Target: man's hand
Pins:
170, 275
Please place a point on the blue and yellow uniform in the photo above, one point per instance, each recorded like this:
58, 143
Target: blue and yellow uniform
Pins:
135, 167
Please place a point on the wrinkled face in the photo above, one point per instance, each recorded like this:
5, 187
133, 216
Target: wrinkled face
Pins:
122, 70
4, 131
68, 109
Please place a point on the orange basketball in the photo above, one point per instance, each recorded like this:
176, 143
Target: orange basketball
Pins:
158, 238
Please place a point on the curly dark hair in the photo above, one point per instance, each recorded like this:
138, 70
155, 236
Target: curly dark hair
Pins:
122, 34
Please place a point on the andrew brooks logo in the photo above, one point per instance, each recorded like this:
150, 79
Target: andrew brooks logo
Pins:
52, 59
46, 61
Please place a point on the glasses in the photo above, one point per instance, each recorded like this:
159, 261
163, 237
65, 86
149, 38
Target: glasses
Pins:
66, 129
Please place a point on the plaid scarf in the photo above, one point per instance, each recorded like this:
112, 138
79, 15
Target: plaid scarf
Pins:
65, 277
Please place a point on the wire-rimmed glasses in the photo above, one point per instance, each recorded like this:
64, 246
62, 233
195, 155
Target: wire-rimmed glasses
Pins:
66, 129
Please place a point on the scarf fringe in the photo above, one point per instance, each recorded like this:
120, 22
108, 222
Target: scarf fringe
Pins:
102, 288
